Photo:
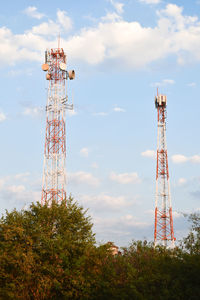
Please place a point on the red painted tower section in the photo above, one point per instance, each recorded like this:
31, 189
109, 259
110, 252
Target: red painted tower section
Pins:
54, 171
163, 227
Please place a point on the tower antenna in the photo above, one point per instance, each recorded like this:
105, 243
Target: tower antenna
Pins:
54, 170
163, 227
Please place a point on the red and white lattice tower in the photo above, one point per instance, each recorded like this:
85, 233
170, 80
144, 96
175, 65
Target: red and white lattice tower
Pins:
54, 170
163, 231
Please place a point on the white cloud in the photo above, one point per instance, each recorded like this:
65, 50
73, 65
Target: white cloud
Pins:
33, 111
195, 159
118, 6
19, 47
16, 189
82, 177
31, 44
127, 44
192, 84
168, 81
84, 152
120, 226
149, 153
51, 28
179, 158
150, 1
22, 176
174, 14
2, 117
71, 112
104, 201
64, 20
10, 179
13, 73
18, 72
119, 109
46, 28
182, 181
131, 221
131, 48
111, 17
164, 82
31, 11
102, 114
125, 178
19, 194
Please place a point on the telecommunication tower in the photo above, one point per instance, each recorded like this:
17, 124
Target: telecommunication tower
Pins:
54, 170
163, 227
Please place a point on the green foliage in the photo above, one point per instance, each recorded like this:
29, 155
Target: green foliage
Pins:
49, 252
143, 272
43, 252
192, 241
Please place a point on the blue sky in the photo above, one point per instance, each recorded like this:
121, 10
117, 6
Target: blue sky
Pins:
121, 51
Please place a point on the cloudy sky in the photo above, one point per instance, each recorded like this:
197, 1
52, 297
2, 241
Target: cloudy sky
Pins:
121, 51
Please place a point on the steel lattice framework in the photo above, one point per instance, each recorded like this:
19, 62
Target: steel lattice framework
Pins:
163, 229
54, 170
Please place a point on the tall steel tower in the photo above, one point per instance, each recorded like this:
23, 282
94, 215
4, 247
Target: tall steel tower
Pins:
54, 170
163, 230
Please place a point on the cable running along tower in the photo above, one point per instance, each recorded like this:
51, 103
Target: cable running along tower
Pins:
163, 229
54, 172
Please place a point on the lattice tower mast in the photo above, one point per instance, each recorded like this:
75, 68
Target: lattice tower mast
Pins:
54, 169
163, 229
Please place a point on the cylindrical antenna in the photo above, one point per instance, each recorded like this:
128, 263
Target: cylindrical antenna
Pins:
59, 40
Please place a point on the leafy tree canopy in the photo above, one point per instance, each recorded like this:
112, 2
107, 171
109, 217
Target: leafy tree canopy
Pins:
43, 252
192, 241
49, 252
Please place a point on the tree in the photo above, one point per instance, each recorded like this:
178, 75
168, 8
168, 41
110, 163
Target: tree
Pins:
192, 242
44, 252
49, 252
143, 272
